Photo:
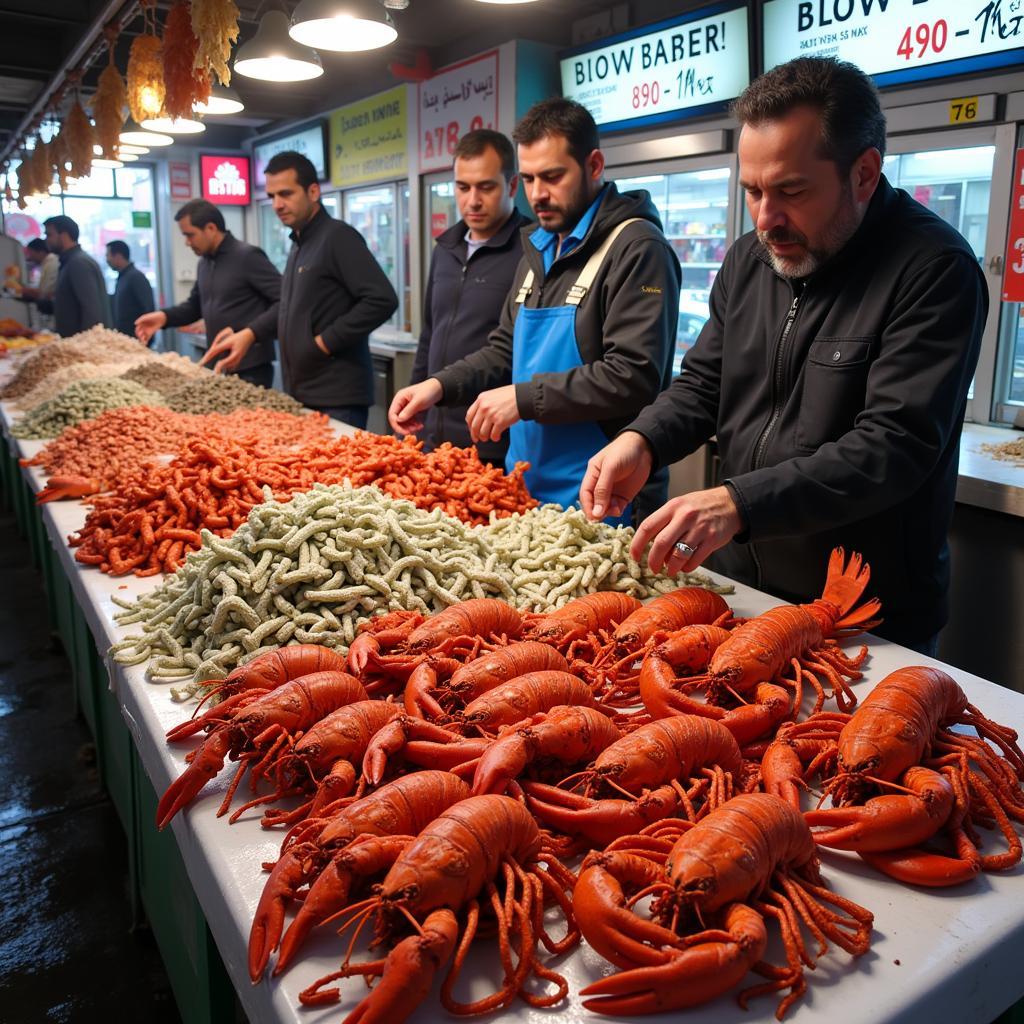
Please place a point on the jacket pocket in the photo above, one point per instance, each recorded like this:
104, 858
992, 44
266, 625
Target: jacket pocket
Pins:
834, 387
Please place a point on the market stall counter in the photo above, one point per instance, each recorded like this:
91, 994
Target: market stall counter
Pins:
936, 954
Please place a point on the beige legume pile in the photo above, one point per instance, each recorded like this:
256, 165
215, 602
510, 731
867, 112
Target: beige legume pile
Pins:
1006, 451
80, 401
156, 376
218, 393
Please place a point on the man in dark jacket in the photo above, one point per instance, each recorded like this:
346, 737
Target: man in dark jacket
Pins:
333, 295
236, 294
133, 294
81, 300
471, 272
865, 311
583, 357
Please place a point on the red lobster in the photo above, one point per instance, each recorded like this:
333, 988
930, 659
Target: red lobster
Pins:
580, 625
256, 733
900, 740
750, 859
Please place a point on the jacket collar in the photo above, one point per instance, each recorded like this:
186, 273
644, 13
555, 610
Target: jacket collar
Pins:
125, 269
69, 254
317, 223
227, 243
456, 235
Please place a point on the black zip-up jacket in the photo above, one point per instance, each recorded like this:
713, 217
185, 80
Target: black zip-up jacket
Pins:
81, 299
625, 329
133, 296
461, 307
838, 404
333, 287
236, 287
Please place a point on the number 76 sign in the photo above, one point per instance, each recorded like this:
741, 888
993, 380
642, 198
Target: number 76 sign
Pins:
1013, 269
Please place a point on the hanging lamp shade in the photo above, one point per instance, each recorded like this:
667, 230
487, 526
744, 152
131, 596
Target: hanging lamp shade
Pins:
136, 135
343, 25
223, 100
128, 148
273, 56
174, 125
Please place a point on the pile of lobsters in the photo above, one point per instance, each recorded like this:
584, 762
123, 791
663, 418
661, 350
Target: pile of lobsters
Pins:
437, 783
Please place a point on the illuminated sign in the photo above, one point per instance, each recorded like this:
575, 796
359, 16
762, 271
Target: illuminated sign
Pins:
369, 139
676, 69
225, 180
309, 140
897, 41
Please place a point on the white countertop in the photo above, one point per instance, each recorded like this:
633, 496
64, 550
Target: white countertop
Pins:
942, 955
986, 481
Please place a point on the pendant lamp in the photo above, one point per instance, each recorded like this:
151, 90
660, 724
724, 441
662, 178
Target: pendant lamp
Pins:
273, 56
223, 100
343, 25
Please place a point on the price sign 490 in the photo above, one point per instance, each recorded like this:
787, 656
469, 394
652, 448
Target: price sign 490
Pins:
444, 138
922, 38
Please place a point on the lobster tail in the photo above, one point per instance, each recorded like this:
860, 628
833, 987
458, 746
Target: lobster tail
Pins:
844, 586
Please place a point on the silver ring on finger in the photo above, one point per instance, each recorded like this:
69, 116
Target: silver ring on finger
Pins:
684, 549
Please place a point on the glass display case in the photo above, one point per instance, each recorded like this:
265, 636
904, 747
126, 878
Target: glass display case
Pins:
694, 209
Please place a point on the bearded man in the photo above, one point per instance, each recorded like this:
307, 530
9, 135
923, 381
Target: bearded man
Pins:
834, 369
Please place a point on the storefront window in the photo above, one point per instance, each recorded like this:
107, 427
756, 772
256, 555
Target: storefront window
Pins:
274, 240
375, 214
694, 209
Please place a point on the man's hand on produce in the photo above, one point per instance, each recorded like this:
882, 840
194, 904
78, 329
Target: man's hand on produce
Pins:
230, 346
702, 521
148, 324
406, 408
493, 413
615, 475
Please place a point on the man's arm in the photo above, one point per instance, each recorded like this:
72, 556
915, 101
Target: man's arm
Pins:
916, 390
362, 276
422, 360
640, 303
187, 312
142, 294
264, 279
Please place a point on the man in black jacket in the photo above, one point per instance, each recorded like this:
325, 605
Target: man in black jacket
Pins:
471, 271
582, 357
133, 294
81, 300
834, 370
333, 295
236, 294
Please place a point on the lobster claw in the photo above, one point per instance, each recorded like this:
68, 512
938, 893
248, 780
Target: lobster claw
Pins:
71, 486
420, 741
716, 962
890, 822
206, 765
285, 880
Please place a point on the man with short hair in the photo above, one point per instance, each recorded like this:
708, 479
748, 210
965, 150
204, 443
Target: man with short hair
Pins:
471, 272
866, 310
133, 294
587, 331
38, 255
236, 294
80, 300
333, 295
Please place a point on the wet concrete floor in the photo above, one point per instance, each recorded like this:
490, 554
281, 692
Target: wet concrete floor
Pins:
69, 949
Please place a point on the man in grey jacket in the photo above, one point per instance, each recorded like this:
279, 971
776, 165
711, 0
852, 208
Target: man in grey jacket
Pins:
81, 300
568, 366
471, 271
333, 295
833, 371
133, 294
236, 294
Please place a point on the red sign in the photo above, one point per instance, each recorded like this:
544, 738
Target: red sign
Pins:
22, 227
181, 179
438, 224
226, 180
1013, 271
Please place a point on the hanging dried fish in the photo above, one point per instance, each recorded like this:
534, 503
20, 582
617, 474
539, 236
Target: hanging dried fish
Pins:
59, 158
145, 78
42, 169
80, 138
215, 25
185, 83
108, 107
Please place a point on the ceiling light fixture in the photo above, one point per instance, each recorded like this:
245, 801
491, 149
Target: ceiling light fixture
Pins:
134, 150
127, 158
273, 56
134, 135
174, 125
506, 2
343, 25
223, 100
113, 164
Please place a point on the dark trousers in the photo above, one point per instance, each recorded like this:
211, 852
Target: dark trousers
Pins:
354, 415
929, 648
262, 375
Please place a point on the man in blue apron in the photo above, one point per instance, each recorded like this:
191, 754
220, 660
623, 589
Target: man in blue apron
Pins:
587, 332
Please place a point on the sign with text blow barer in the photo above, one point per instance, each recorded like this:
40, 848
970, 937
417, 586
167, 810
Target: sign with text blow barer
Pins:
456, 100
1013, 270
226, 180
675, 69
897, 41
368, 139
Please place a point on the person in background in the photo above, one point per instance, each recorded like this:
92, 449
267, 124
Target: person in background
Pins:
237, 292
865, 310
333, 295
133, 294
572, 361
48, 265
471, 272
80, 299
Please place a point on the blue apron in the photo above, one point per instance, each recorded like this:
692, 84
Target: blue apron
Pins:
544, 341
